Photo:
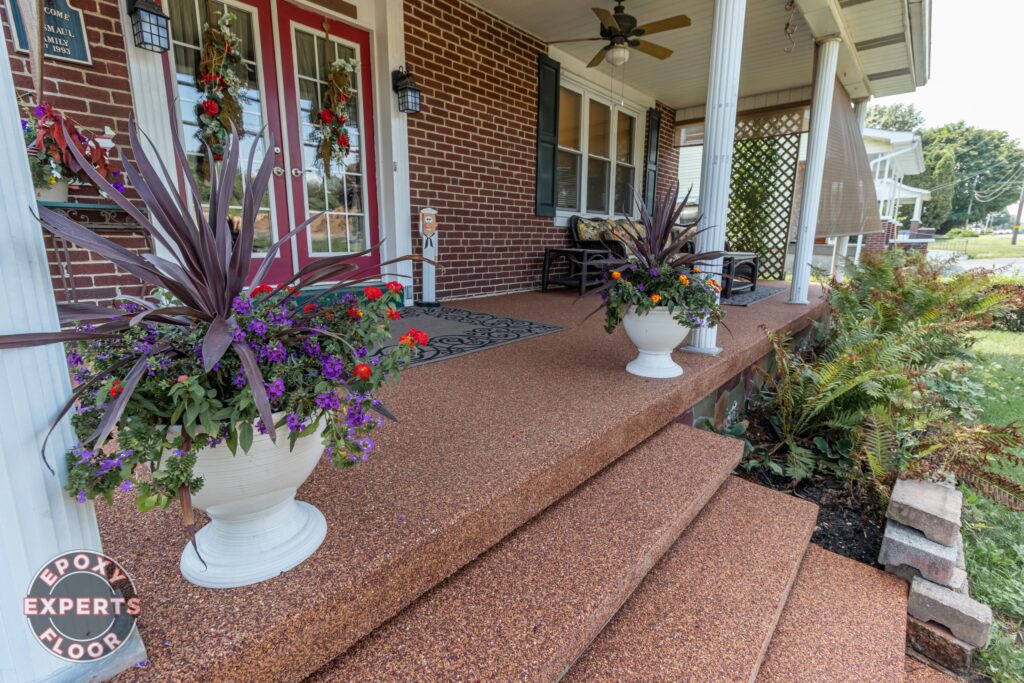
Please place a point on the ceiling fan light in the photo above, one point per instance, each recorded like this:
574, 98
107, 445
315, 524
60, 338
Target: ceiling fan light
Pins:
617, 55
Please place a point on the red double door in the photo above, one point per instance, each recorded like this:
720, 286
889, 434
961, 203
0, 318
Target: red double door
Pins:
287, 64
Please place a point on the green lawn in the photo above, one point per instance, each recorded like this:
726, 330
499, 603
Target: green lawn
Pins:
994, 536
985, 246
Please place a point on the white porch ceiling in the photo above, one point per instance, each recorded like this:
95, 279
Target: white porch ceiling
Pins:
681, 80
885, 43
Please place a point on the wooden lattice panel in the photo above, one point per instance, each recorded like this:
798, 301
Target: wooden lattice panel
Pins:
764, 165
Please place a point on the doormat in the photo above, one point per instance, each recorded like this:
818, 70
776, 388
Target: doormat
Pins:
456, 331
750, 298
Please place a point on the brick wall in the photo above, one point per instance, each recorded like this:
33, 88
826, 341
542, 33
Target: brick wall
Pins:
668, 153
93, 96
877, 242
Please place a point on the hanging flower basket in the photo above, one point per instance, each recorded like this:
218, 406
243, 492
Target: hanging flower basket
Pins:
330, 131
220, 82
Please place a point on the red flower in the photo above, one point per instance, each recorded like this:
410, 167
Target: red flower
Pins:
395, 287
309, 308
326, 116
420, 336
362, 371
343, 140
414, 338
262, 289
394, 314
116, 388
342, 119
218, 157
209, 78
211, 107
373, 293
182, 378
355, 313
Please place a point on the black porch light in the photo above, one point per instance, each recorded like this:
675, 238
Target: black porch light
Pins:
150, 26
409, 95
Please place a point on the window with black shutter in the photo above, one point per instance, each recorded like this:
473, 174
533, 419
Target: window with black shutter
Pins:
548, 79
651, 171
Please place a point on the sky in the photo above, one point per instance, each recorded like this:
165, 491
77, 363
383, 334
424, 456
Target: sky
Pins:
977, 68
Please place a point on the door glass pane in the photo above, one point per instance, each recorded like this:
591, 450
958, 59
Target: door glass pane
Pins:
597, 185
599, 132
569, 122
187, 20
624, 139
567, 181
342, 228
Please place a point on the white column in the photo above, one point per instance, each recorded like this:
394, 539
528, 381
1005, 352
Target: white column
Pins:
719, 136
814, 169
860, 110
37, 519
842, 244
918, 207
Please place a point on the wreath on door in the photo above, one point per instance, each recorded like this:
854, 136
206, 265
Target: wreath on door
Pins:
219, 80
330, 132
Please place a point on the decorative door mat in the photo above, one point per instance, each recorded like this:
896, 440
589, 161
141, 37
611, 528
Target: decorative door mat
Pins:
750, 298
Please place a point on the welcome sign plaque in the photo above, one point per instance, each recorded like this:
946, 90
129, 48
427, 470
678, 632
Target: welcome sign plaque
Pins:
63, 31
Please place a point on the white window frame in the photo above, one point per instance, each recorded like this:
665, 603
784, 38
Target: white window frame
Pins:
588, 92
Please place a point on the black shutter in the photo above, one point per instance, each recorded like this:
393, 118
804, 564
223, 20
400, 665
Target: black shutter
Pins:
549, 73
653, 143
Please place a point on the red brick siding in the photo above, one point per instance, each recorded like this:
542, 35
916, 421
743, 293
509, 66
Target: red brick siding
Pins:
668, 153
93, 96
472, 148
94, 278
877, 242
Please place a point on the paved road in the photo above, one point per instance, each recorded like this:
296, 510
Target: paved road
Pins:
1007, 266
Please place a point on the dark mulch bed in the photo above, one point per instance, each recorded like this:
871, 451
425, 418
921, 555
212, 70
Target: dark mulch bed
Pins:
848, 524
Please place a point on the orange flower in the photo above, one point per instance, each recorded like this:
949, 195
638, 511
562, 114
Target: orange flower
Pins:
696, 269
655, 298
685, 280
714, 285
616, 275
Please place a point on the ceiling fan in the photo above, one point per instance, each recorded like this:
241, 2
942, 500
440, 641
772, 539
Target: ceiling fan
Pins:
622, 33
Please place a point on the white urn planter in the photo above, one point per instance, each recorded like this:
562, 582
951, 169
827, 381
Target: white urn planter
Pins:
57, 192
656, 335
257, 529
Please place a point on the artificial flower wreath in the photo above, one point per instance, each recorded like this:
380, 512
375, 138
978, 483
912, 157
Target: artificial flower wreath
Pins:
330, 134
220, 82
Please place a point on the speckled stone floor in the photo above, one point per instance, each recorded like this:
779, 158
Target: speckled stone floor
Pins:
707, 610
529, 606
486, 441
845, 621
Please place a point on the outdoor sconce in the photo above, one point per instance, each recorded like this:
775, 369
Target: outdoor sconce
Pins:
150, 26
409, 95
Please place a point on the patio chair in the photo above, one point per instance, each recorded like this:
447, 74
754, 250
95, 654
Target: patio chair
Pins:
740, 270
590, 242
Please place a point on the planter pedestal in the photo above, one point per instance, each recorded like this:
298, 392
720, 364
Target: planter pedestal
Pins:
257, 529
655, 335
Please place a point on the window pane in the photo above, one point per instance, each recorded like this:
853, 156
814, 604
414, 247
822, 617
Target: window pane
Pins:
567, 181
569, 119
597, 185
185, 22
624, 139
600, 129
624, 189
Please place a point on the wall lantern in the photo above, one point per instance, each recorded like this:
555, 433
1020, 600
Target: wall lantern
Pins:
408, 94
150, 26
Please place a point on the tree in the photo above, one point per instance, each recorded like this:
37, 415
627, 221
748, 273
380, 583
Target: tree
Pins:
940, 181
988, 155
895, 117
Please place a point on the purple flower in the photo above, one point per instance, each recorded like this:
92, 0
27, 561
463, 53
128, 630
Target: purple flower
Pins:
257, 327
119, 186
329, 453
362, 352
40, 110
24, 124
333, 368
311, 348
280, 318
74, 358
653, 272
238, 335
640, 287
276, 388
80, 497
295, 423
241, 305
126, 485
260, 427
129, 307
276, 353
239, 381
178, 453
328, 400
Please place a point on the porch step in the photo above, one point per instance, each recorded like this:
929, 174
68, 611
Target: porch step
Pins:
707, 611
845, 621
528, 607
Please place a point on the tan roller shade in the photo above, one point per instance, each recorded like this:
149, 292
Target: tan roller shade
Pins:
848, 202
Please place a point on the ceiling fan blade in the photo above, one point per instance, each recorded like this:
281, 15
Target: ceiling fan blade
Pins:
607, 19
656, 51
599, 57
682, 21
572, 40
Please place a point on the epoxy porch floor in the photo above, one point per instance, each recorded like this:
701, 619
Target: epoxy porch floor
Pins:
486, 441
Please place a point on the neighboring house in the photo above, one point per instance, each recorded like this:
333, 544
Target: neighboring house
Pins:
895, 155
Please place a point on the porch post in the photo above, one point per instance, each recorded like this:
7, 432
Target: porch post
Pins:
719, 137
39, 521
821, 114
